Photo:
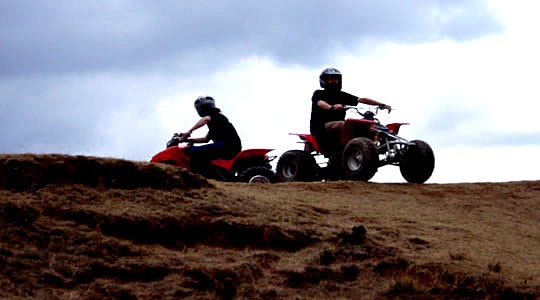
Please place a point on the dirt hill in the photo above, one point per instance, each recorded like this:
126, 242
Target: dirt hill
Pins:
76, 227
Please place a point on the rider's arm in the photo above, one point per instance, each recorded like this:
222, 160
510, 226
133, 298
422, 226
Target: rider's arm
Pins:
324, 105
197, 125
205, 139
374, 102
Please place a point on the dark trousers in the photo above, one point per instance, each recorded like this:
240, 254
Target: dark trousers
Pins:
329, 139
200, 157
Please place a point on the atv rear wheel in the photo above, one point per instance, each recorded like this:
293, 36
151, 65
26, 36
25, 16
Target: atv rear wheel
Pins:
417, 162
169, 162
257, 174
296, 165
360, 159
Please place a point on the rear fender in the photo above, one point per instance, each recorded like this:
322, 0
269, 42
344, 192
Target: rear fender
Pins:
394, 127
173, 154
310, 140
244, 155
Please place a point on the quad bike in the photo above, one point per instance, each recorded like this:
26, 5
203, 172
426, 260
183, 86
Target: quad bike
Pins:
366, 146
251, 165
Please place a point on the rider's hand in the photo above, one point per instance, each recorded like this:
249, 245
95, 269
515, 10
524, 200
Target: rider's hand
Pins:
338, 106
387, 107
186, 134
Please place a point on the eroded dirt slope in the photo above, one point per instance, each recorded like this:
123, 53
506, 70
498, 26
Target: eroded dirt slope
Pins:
75, 227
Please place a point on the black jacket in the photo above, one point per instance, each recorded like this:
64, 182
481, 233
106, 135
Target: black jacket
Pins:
320, 116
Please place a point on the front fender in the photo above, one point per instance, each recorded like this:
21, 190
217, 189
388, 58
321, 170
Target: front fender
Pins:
173, 154
394, 127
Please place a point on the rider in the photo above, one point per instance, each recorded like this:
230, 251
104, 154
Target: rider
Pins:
328, 113
226, 142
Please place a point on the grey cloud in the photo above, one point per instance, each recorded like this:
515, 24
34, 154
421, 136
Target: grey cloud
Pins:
77, 114
67, 68
65, 36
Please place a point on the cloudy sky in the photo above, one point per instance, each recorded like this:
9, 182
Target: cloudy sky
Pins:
118, 78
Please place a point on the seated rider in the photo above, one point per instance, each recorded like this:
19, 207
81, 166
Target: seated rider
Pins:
226, 142
327, 112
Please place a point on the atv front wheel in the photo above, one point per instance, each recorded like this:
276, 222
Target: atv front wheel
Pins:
296, 165
257, 174
417, 162
360, 159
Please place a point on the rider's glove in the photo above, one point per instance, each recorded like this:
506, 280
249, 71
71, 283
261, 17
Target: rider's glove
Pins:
387, 107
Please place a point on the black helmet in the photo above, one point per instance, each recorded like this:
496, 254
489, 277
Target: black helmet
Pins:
204, 105
327, 73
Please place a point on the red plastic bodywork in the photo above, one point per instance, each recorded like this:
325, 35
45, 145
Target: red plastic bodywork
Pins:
172, 154
228, 164
351, 128
177, 155
310, 140
394, 127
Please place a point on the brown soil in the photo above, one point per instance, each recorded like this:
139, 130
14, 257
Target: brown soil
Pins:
76, 227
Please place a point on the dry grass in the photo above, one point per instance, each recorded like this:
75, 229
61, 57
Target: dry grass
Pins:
97, 235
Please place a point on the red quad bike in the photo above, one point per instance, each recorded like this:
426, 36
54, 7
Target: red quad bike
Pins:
367, 145
251, 165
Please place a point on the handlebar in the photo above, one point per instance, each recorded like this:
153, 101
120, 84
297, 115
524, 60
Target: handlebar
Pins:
367, 114
176, 139
179, 136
